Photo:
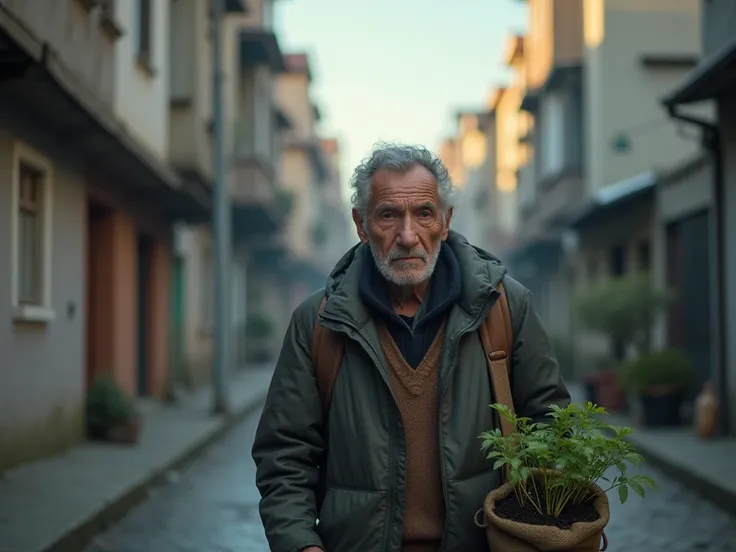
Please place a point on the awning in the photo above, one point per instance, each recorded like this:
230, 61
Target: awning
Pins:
713, 77
258, 46
615, 195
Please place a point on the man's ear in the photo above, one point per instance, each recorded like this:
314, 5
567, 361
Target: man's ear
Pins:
360, 227
448, 219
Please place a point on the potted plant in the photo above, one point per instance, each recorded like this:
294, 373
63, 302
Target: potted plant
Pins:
557, 477
111, 414
659, 379
623, 309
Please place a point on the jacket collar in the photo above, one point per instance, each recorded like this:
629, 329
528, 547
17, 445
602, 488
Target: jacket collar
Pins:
479, 273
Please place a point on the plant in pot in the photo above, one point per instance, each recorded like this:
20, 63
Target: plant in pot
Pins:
557, 477
110, 413
659, 379
623, 309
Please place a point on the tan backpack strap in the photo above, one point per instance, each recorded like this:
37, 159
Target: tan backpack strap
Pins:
498, 344
327, 351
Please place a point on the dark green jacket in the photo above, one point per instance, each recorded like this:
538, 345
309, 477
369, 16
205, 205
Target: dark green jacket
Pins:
363, 505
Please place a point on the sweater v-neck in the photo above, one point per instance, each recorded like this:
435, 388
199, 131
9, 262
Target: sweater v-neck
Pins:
413, 379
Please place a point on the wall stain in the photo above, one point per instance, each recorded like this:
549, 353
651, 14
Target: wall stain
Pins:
60, 429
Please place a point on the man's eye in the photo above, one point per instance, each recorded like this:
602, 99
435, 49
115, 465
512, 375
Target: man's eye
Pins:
426, 213
386, 216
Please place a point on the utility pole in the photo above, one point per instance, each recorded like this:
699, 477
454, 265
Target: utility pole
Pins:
220, 225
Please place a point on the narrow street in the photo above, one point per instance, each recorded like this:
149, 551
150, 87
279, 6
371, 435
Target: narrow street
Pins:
213, 507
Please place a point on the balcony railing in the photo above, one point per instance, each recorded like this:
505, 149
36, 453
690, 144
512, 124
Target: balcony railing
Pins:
252, 167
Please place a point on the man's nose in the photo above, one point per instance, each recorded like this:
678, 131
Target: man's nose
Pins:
408, 237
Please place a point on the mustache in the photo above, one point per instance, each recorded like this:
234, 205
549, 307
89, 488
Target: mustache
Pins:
400, 253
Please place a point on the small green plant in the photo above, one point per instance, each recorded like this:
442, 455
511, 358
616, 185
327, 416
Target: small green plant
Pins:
107, 406
554, 465
623, 308
666, 368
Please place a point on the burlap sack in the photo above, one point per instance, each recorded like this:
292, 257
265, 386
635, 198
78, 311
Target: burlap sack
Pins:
505, 535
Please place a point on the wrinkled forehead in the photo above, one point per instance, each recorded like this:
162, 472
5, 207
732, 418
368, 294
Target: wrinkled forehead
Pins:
416, 187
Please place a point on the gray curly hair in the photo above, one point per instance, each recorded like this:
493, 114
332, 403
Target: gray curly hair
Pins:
399, 158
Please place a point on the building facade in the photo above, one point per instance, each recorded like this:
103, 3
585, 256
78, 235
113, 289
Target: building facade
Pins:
711, 87
594, 154
88, 230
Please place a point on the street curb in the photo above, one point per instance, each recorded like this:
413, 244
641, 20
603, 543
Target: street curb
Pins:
80, 536
699, 484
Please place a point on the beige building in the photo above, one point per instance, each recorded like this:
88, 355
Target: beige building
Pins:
593, 152
484, 159
472, 169
711, 84
302, 163
336, 231
90, 206
190, 146
261, 202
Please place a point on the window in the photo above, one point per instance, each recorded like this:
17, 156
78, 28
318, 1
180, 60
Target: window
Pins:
552, 134
31, 231
144, 26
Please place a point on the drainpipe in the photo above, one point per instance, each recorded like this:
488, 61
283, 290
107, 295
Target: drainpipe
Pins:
221, 226
712, 141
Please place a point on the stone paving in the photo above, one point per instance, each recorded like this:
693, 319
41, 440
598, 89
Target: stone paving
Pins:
214, 508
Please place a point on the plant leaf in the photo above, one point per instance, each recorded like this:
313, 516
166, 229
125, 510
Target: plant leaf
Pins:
623, 493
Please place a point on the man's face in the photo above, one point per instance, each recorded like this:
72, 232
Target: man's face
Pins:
404, 225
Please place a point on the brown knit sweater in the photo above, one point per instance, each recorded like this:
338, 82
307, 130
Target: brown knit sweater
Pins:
417, 396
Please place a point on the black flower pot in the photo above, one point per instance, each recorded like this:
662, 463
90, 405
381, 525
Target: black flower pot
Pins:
661, 409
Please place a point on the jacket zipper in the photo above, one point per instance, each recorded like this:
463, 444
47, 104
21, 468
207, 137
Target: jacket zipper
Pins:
368, 347
453, 360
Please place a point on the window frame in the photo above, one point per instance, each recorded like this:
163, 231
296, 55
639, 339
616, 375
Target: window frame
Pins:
43, 311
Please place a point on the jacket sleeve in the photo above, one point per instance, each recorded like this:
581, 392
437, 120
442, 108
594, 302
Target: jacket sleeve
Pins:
536, 380
288, 444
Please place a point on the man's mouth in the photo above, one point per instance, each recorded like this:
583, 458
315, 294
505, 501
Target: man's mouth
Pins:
408, 259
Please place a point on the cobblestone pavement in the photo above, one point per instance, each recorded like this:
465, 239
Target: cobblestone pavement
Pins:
212, 507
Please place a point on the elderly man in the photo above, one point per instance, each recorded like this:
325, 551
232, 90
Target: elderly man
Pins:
394, 464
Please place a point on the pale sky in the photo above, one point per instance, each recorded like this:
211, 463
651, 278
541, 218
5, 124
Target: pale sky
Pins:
397, 69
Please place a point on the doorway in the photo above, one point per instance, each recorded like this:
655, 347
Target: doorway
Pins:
97, 291
145, 247
688, 273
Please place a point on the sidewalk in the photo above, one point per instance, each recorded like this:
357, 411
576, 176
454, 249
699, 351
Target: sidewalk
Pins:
58, 504
706, 467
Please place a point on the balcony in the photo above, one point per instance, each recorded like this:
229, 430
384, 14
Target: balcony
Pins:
57, 66
556, 200
81, 34
259, 204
